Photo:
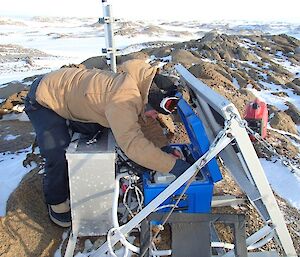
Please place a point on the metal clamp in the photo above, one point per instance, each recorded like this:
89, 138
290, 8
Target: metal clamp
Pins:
106, 20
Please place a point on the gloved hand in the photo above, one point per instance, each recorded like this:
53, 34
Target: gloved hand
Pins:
170, 150
180, 167
167, 149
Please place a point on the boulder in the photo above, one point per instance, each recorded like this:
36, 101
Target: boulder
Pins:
209, 37
184, 56
293, 112
283, 121
98, 62
11, 88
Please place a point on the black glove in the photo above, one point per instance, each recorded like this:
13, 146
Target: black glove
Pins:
180, 167
167, 149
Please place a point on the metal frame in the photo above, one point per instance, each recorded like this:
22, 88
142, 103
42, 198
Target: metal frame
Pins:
240, 159
200, 242
156, 202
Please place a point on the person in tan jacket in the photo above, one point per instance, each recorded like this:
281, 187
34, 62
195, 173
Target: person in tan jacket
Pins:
89, 99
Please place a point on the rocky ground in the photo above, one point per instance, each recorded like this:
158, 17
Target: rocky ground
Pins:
232, 65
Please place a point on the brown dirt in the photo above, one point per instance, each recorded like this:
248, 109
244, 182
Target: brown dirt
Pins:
283, 121
22, 129
11, 88
26, 229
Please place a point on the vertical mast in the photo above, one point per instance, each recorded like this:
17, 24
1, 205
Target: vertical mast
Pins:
110, 49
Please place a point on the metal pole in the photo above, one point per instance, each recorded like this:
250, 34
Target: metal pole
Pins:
108, 21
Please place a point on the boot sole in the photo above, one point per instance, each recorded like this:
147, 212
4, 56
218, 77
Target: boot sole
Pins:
64, 224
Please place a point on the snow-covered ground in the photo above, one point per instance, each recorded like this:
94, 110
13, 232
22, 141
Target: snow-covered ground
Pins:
11, 173
70, 41
272, 99
284, 183
73, 41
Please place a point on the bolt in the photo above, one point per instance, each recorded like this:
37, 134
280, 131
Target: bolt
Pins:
229, 135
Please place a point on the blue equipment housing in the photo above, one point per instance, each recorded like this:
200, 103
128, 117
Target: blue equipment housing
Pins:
197, 198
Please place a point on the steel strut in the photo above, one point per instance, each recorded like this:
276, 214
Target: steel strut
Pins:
222, 140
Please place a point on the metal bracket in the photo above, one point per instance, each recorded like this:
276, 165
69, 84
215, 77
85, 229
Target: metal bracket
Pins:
71, 244
226, 200
107, 20
156, 202
109, 50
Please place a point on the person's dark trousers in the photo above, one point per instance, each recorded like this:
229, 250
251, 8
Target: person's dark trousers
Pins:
53, 138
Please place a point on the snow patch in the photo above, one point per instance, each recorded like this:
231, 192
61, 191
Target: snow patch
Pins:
283, 181
16, 116
275, 100
10, 137
11, 173
235, 83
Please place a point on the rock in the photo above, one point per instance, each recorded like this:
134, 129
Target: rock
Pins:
153, 30
13, 100
248, 94
29, 61
209, 37
79, 66
284, 122
280, 94
240, 79
245, 55
297, 50
277, 78
296, 81
31, 78
138, 55
294, 86
160, 52
23, 132
11, 88
184, 56
280, 70
293, 112
201, 72
97, 62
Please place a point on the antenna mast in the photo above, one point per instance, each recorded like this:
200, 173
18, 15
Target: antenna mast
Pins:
110, 49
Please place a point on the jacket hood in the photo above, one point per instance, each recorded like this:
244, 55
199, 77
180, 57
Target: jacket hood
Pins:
141, 72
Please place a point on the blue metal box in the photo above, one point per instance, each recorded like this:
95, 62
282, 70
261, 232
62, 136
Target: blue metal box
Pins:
197, 199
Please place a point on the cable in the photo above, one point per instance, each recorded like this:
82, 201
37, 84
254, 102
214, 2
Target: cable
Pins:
140, 200
166, 206
110, 249
125, 203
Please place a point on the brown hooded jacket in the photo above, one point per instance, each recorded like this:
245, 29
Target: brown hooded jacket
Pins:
112, 100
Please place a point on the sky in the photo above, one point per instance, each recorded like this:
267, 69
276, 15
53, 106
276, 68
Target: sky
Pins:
258, 10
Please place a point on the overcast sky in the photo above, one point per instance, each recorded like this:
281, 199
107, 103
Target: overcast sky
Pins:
264, 10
